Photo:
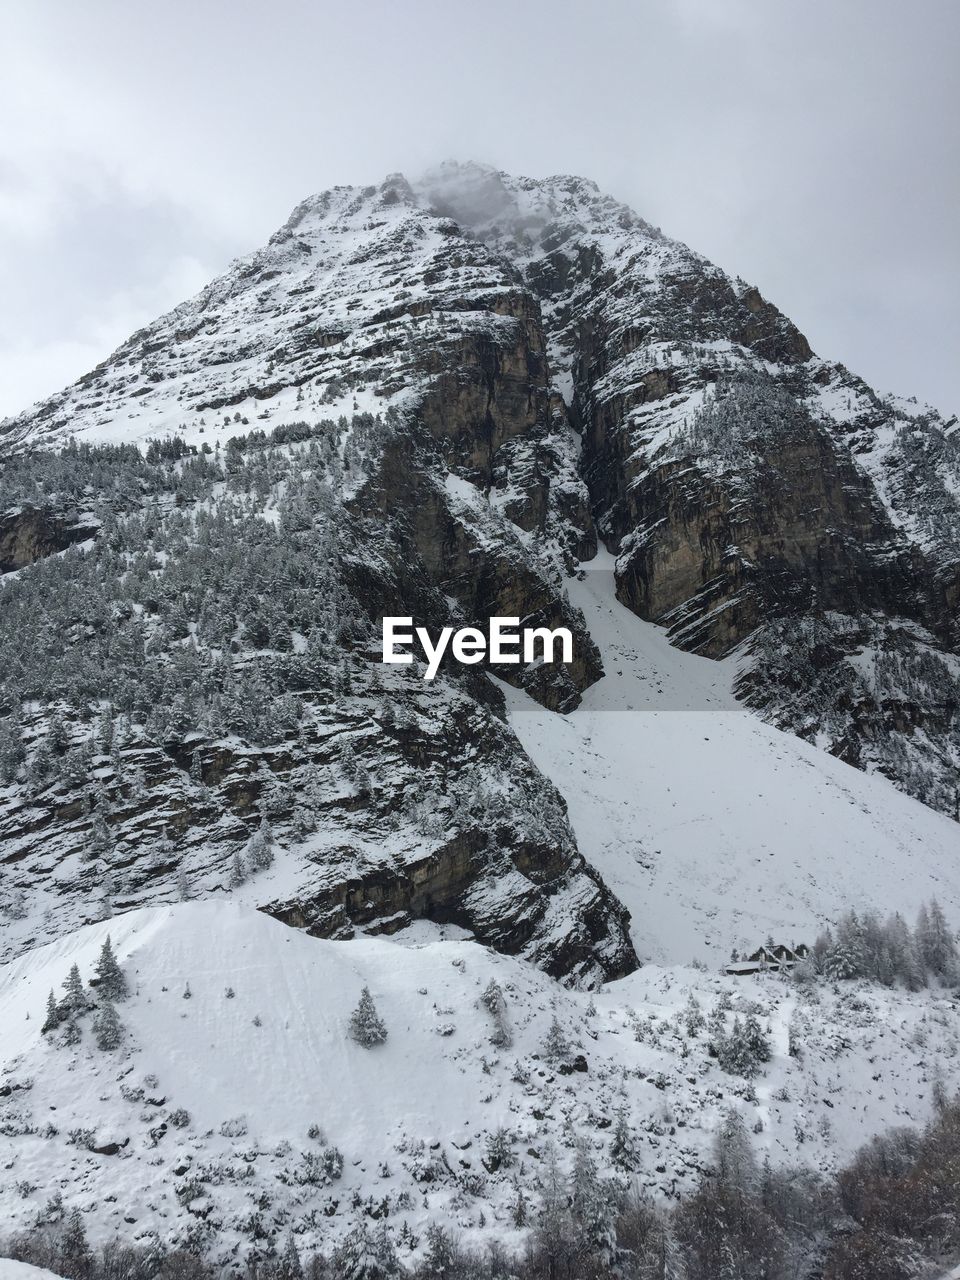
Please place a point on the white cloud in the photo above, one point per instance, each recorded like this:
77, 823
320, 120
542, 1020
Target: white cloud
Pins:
32, 370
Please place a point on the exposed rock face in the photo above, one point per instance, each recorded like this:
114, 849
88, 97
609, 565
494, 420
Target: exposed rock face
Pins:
513, 878
30, 533
510, 904
465, 503
472, 554
712, 561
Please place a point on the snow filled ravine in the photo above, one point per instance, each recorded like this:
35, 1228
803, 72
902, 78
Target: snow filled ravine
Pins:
713, 828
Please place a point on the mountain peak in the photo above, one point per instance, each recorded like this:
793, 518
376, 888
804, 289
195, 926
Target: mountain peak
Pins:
495, 204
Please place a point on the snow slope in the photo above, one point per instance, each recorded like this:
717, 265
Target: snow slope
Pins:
11, 1270
713, 828
257, 1069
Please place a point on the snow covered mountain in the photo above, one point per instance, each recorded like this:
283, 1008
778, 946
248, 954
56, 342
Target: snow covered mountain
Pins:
754, 493
468, 396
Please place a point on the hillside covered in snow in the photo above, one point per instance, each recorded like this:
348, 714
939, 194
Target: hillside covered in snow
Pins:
713, 828
236, 1107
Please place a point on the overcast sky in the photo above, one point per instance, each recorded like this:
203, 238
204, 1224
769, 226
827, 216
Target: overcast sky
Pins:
811, 147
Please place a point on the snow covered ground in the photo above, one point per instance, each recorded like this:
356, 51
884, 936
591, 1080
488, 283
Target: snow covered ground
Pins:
10, 1270
713, 828
211, 1098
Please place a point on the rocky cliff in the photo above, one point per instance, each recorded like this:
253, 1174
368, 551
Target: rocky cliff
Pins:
747, 485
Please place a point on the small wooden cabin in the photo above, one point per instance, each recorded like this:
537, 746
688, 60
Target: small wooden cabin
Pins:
769, 957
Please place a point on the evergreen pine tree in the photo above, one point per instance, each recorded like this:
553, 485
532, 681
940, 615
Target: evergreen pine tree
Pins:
385, 1253
237, 873
112, 984
304, 821
260, 848
366, 1025
356, 1257
556, 1046
499, 1151
735, 1163
914, 971
693, 1018
583, 1179
716, 1031
11, 749
623, 1148
348, 762
75, 1001
849, 955
755, 1040
105, 733
519, 1208
184, 893
54, 1016
289, 1266
936, 942
58, 736
735, 1054
593, 1206
75, 1255
554, 1220
362, 780
841, 962
107, 1027
492, 998
41, 769
101, 839
439, 1252
921, 934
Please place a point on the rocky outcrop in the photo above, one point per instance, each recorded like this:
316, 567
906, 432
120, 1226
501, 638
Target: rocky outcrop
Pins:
30, 533
366, 293
506, 902
393, 799
469, 554
713, 557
